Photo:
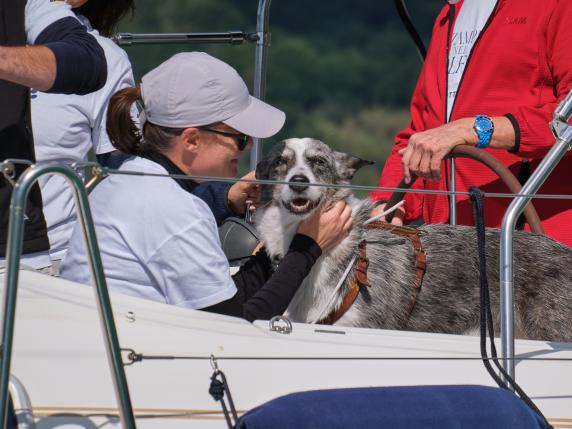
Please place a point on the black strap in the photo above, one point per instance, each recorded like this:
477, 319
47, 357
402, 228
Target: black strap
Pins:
477, 198
16, 137
217, 389
408, 23
263, 293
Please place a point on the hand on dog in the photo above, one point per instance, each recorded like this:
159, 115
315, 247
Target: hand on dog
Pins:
426, 150
328, 226
398, 214
242, 192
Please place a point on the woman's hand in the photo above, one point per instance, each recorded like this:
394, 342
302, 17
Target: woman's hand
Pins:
328, 226
242, 192
427, 149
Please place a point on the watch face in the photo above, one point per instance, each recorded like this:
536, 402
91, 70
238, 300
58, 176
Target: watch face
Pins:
483, 125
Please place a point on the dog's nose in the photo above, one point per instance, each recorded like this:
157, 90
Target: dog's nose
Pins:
299, 179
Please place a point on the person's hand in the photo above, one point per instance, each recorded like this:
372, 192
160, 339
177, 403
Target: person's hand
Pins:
398, 214
328, 226
426, 150
242, 192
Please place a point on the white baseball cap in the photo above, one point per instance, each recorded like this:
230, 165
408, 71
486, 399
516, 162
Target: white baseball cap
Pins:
194, 89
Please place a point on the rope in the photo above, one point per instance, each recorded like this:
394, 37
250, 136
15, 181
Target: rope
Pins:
106, 172
134, 357
340, 186
217, 390
477, 198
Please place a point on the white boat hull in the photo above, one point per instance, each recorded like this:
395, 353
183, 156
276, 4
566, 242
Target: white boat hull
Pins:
59, 356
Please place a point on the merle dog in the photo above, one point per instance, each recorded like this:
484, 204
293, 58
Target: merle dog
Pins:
448, 301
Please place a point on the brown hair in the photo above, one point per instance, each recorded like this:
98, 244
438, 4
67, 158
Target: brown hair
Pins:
124, 133
104, 15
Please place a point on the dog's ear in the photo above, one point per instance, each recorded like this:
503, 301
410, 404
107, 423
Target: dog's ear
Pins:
263, 166
347, 165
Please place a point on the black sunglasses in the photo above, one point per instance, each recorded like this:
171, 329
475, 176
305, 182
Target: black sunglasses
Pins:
241, 139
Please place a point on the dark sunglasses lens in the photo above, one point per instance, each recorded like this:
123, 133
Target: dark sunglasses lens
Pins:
242, 142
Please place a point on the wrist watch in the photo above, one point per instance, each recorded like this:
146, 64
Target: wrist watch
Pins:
484, 128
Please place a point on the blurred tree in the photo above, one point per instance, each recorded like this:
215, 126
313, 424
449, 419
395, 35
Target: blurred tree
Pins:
343, 71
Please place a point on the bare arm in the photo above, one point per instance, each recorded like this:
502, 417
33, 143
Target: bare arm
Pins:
502, 138
31, 66
426, 150
61, 57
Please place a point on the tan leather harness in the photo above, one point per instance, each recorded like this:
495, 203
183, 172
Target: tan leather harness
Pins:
362, 262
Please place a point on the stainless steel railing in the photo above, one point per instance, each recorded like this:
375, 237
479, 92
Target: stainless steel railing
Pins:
453, 189
563, 134
22, 404
13, 251
262, 44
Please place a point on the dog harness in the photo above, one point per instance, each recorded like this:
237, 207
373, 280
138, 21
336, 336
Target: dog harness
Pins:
362, 263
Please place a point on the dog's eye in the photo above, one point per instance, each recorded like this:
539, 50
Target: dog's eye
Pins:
279, 161
318, 161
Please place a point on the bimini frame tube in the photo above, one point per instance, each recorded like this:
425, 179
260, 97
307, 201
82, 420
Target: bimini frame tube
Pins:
230, 37
14, 248
563, 134
259, 89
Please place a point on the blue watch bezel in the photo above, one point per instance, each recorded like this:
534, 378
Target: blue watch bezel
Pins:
484, 128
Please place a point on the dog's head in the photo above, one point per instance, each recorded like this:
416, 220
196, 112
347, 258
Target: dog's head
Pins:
300, 162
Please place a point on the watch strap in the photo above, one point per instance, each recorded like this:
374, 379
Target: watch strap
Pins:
484, 136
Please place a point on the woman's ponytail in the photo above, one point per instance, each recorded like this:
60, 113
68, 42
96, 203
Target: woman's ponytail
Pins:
124, 134
122, 130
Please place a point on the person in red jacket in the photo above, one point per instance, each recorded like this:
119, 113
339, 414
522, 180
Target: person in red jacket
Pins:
494, 73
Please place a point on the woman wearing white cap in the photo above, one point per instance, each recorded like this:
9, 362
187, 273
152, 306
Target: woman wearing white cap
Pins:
159, 241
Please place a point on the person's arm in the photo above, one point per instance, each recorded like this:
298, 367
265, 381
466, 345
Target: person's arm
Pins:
524, 130
215, 194
227, 200
534, 137
261, 294
426, 150
81, 66
66, 59
30, 66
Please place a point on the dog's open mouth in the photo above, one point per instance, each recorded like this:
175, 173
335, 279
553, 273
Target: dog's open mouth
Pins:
300, 206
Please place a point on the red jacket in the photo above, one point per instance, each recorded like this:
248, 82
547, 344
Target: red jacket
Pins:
520, 65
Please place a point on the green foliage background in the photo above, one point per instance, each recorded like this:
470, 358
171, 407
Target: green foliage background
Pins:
343, 71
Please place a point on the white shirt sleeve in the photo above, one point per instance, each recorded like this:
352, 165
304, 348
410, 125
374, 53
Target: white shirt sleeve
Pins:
41, 13
119, 76
191, 267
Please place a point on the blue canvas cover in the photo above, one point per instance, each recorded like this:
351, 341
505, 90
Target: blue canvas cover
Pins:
414, 407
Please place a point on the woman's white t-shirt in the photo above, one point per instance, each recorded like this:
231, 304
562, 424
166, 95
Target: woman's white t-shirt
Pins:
66, 128
157, 241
